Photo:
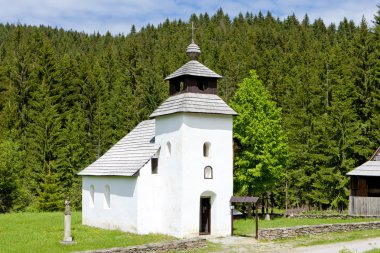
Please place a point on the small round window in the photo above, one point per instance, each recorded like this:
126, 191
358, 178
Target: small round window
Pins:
208, 172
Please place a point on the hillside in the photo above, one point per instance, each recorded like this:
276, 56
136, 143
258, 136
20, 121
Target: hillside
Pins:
66, 97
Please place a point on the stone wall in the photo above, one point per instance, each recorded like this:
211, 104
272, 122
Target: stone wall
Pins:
179, 245
334, 216
277, 233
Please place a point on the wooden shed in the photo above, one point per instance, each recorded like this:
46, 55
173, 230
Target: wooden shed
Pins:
365, 187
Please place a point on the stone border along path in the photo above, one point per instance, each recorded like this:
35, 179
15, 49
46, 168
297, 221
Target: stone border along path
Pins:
326, 216
278, 233
178, 245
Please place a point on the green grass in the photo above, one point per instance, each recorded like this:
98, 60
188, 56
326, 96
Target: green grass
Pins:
246, 227
42, 232
373, 251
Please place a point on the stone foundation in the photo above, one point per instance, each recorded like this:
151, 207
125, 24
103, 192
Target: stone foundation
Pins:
277, 233
179, 245
334, 216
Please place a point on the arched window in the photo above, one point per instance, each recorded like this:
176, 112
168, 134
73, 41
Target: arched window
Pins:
179, 86
107, 200
92, 196
208, 172
202, 84
168, 149
206, 149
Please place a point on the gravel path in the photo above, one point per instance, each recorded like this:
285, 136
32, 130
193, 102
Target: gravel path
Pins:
358, 246
250, 245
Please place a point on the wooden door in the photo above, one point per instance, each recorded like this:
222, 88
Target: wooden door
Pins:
205, 216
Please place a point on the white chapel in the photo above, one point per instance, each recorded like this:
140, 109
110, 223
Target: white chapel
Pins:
172, 174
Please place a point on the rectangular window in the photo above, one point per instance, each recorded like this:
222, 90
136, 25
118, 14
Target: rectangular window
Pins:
154, 162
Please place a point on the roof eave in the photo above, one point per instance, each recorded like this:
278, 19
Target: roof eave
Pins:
158, 115
136, 174
175, 76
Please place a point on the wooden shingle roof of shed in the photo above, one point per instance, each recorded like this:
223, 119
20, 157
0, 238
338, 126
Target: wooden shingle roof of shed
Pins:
245, 199
128, 155
194, 103
369, 168
193, 68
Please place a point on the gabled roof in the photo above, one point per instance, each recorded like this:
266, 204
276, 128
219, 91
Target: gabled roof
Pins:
369, 168
193, 102
193, 68
128, 155
246, 199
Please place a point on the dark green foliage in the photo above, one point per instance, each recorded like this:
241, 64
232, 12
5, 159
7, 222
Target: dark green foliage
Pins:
10, 166
66, 97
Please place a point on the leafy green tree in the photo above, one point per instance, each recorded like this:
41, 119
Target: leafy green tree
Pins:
262, 154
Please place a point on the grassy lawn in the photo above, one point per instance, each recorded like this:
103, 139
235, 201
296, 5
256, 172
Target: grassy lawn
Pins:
246, 227
373, 251
42, 232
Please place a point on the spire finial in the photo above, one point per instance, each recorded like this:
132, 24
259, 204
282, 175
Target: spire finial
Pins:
193, 51
192, 32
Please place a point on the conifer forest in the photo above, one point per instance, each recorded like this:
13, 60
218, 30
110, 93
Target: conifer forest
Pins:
66, 97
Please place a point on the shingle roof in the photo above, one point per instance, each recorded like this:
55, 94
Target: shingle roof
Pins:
370, 168
193, 68
128, 155
193, 102
247, 199
193, 51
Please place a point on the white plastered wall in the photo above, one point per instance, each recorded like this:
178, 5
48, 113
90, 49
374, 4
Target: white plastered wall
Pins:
217, 130
181, 175
122, 213
169, 177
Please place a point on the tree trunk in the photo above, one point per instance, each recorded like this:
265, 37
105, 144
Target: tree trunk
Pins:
271, 202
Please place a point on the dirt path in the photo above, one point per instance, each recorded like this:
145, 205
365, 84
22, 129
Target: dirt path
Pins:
237, 244
358, 246
248, 245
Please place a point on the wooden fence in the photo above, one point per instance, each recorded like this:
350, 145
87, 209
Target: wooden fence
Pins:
364, 205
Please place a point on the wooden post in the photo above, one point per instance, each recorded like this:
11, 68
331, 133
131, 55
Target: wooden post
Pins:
257, 219
232, 219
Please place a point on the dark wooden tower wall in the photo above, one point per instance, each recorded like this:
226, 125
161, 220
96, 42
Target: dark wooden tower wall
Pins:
362, 186
194, 84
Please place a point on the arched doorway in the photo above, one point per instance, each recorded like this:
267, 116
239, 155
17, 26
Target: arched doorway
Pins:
205, 212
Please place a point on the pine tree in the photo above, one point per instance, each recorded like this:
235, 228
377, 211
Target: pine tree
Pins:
10, 166
44, 128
